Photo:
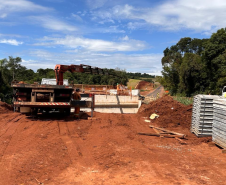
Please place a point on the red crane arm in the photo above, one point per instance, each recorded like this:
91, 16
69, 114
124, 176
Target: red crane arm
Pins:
61, 69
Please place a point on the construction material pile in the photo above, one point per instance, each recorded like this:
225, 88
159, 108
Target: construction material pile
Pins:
219, 124
202, 115
171, 113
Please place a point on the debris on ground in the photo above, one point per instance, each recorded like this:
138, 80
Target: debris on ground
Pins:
177, 119
160, 132
179, 116
153, 116
148, 121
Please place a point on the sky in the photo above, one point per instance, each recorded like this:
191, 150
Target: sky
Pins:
126, 34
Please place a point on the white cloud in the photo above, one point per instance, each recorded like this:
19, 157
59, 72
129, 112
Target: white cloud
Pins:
3, 15
76, 17
144, 63
35, 64
196, 15
11, 35
81, 43
136, 25
93, 4
112, 29
125, 38
11, 42
12, 6
52, 23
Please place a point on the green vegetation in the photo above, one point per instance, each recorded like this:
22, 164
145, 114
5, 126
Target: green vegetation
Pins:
132, 83
195, 66
140, 76
183, 100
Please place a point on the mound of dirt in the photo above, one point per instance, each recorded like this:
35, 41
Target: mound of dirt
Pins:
144, 85
4, 107
171, 113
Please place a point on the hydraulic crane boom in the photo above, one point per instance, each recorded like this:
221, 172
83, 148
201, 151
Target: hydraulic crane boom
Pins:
61, 69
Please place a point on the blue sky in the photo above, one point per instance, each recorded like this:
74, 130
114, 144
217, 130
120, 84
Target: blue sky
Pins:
128, 34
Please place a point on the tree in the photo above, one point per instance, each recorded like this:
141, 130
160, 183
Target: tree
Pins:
4, 71
184, 45
13, 64
214, 57
192, 74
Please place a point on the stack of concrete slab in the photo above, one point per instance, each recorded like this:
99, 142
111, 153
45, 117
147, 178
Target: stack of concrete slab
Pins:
202, 115
219, 123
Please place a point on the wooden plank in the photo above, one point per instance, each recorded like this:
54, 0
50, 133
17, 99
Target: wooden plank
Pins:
156, 131
166, 130
160, 135
149, 134
181, 141
175, 136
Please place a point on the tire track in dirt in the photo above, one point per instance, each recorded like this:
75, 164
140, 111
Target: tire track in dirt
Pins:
9, 133
15, 119
9, 120
73, 149
18, 115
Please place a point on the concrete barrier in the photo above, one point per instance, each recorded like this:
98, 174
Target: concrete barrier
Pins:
115, 104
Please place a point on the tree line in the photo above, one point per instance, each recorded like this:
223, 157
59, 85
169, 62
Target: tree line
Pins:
140, 76
195, 66
12, 69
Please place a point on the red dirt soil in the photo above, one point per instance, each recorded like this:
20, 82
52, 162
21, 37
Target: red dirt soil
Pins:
51, 149
4, 107
146, 86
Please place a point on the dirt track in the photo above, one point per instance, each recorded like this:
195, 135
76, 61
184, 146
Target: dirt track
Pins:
157, 91
55, 150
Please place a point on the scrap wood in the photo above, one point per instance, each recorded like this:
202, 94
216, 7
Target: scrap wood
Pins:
156, 131
38, 181
160, 135
181, 141
148, 134
92, 118
148, 121
168, 131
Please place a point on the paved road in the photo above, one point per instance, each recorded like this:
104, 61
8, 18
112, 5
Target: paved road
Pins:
156, 91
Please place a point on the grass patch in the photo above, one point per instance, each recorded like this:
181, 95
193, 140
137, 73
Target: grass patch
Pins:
183, 100
132, 83
143, 90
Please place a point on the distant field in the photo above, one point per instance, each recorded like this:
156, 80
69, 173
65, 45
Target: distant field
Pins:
132, 83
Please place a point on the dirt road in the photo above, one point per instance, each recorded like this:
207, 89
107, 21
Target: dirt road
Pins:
55, 150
